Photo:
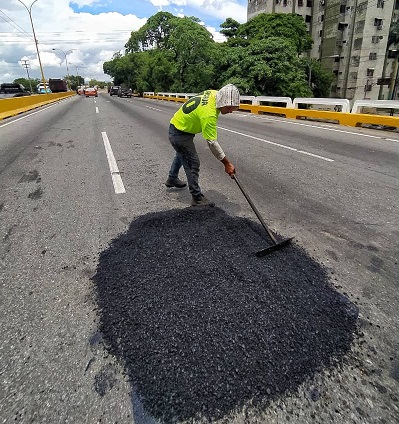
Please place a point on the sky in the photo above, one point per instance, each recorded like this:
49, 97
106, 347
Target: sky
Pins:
84, 34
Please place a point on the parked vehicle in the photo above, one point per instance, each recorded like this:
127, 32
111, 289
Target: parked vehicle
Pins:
13, 90
114, 90
125, 92
57, 85
90, 92
41, 89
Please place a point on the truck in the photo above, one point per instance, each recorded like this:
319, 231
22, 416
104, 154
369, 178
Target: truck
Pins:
57, 85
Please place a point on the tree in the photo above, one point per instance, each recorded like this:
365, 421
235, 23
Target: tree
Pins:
229, 28
266, 67
286, 25
191, 45
154, 34
319, 80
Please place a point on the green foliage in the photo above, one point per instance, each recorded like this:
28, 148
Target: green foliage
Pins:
286, 25
230, 28
25, 82
320, 80
76, 81
154, 34
393, 37
266, 67
261, 57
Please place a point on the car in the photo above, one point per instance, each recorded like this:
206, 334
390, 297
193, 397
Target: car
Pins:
114, 90
124, 92
90, 91
41, 89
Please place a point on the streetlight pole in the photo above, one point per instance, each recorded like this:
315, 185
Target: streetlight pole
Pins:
66, 63
34, 36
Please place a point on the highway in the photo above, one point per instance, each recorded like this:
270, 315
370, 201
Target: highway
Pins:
75, 175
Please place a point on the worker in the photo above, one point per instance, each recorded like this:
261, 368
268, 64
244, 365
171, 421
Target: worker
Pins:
197, 115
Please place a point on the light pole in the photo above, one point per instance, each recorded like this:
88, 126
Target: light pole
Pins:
34, 37
66, 63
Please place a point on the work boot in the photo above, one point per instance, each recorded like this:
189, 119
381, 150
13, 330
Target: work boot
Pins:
175, 182
201, 200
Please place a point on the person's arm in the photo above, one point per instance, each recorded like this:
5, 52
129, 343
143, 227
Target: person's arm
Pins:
217, 151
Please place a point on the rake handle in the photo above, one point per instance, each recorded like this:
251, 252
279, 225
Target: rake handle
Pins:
235, 178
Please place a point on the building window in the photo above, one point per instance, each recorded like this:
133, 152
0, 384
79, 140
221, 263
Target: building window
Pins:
300, 3
353, 76
342, 8
376, 38
362, 7
355, 60
370, 72
321, 33
357, 44
308, 3
373, 56
359, 26
378, 23
380, 4
308, 19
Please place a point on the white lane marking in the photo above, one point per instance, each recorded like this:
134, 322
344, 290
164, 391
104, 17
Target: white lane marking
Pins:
97, 111
113, 167
279, 145
153, 108
318, 127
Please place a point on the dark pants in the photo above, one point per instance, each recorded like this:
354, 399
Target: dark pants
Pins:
186, 156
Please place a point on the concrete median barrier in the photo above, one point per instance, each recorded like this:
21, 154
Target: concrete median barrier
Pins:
15, 105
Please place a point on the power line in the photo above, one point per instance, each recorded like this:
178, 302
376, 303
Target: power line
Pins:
15, 25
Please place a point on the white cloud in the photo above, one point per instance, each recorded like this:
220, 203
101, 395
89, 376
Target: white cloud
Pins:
221, 9
95, 37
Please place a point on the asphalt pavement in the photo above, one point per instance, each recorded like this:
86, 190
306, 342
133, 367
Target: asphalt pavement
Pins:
121, 303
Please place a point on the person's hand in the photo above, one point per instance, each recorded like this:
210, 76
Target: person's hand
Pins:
229, 167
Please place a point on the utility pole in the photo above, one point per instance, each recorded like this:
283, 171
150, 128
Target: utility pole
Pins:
25, 64
34, 37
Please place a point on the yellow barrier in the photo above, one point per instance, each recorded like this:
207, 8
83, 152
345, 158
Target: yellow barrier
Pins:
347, 119
15, 105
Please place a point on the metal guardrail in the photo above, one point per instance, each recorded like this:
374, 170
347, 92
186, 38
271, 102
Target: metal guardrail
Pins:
15, 105
256, 105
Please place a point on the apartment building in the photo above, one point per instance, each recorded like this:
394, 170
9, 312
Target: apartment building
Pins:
350, 39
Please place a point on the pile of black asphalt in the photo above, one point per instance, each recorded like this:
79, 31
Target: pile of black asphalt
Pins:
203, 326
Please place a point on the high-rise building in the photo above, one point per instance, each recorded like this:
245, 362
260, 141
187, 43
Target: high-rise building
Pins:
350, 39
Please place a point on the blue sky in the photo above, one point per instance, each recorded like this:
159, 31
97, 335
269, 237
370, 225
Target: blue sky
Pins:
87, 33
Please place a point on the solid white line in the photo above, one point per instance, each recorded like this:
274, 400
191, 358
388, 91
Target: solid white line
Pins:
279, 145
113, 167
97, 111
